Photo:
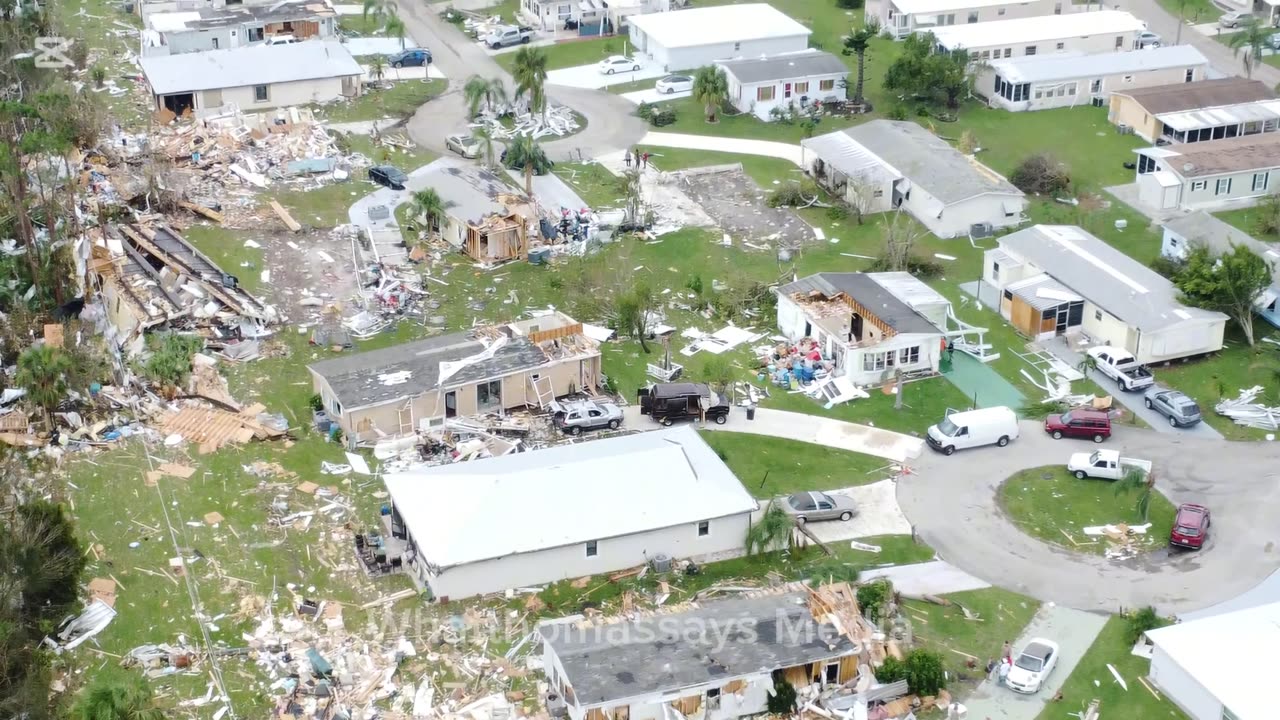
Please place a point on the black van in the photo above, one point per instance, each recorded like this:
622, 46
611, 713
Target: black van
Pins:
666, 402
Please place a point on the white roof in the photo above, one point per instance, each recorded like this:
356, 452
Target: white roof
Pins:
256, 65
1073, 65
171, 21
716, 25
525, 502
1036, 29
924, 7
1260, 111
1230, 655
909, 289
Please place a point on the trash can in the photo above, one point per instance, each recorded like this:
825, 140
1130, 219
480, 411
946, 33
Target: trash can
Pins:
751, 412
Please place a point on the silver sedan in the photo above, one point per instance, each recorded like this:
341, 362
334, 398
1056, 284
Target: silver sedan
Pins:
464, 145
815, 506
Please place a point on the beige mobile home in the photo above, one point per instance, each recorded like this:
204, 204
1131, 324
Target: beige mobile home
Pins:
1197, 111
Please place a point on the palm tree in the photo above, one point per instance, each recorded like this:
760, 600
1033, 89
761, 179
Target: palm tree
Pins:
1252, 39
489, 91
711, 88
525, 154
118, 698
772, 530
529, 69
487, 146
42, 370
395, 27
377, 67
377, 9
857, 44
430, 205
1088, 364
1137, 479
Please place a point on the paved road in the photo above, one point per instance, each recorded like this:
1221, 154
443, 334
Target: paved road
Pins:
610, 123
1220, 56
952, 504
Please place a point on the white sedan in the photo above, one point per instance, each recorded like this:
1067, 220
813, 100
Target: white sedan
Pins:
618, 63
1032, 666
672, 84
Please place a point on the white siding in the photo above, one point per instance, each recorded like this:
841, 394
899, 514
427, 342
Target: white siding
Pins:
726, 536
900, 28
1098, 43
1239, 189
929, 356
278, 95
1106, 329
743, 96
695, 56
1182, 340
1183, 689
957, 218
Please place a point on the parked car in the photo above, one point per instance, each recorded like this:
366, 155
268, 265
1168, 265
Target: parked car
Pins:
1092, 424
1273, 42
674, 84
1104, 464
815, 506
413, 57
1236, 18
1178, 409
574, 417
464, 145
282, 40
1190, 526
618, 63
1032, 666
388, 176
1120, 365
507, 35
1148, 39
973, 428
667, 402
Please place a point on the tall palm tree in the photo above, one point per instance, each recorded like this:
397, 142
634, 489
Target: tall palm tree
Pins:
117, 697
488, 91
430, 205
42, 370
529, 68
857, 43
395, 27
1250, 40
377, 67
377, 9
711, 88
484, 137
1137, 479
525, 154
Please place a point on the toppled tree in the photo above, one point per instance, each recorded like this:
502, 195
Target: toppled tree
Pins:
771, 532
1040, 174
796, 193
1229, 283
900, 236
170, 359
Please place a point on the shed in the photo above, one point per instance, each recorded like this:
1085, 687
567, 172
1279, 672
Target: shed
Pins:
687, 39
568, 511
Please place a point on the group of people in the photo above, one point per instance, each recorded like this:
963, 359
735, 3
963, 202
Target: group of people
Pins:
641, 159
998, 670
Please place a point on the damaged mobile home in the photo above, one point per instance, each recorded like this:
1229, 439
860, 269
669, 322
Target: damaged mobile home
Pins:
398, 390
484, 218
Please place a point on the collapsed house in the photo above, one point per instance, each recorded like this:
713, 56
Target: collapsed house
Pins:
217, 28
398, 390
868, 326
150, 276
465, 530
484, 218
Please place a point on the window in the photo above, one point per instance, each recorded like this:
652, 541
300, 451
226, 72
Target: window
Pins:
1097, 315
909, 356
1146, 165
256, 35
1129, 79
1062, 91
737, 46
334, 406
215, 43
1060, 46
1030, 50
826, 84
713, 699
878, 193
1039, 93
1096, 86
1008, 294
1071, 89
1008, 52
704, 528
1000, 11
974, 55
260, 93
1198, 185
973, 16
877, 361
802, 88
765, 93
1057, 8
1261, 180
1190, 75
592, 549
1119, 42
986, 54
995, 271
1222, 187
1228, 715
489, 394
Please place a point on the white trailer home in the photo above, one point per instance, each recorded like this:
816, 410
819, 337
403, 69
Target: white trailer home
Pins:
687, 39
900, 18
758, 85
1085, 32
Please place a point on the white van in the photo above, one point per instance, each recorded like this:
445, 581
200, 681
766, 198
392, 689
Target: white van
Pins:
973, 428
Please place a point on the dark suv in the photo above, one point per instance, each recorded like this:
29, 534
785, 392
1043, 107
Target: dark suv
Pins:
388, 176
1092, 424
668, 402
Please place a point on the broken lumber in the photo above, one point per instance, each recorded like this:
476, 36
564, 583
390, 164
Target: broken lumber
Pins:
388, 599
1119, 679
285, 217
1150, 689
209, 213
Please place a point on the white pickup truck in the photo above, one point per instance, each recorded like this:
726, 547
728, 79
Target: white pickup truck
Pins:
505, 35
1104, 464
1120, 365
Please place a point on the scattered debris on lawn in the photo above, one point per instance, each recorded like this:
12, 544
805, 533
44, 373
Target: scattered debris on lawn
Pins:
1123, 539
1246, 411
558, 120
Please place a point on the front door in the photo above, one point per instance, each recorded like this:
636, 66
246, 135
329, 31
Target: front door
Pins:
451, 404
786, 90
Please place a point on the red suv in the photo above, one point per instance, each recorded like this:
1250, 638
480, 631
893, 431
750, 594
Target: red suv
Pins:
1190, 526
1092, 424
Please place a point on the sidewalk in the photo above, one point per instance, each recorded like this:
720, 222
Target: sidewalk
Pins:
785, 151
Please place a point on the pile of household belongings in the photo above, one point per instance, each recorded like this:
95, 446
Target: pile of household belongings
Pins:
795, 366
1245, 410
152, 277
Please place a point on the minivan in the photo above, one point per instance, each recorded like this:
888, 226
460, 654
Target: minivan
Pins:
1092, 424
973, 428
668, 402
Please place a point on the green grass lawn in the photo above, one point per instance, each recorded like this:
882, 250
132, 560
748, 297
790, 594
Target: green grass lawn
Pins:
1092, 679
401, 100
770, 467
1193, 12
226, 247
764, 170
1004, 615
360, 25
1046, 502
572, 53
94, 22
1247, 220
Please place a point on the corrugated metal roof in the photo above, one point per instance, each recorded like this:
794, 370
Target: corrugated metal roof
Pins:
242, 67
1228, 115
1071, 66
1218, 236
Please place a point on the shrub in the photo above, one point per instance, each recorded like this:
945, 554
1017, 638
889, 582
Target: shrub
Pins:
1167, 267
644, 110
872, 597
1040, 174
1267, 216
794, 194
898, 112
315, 402
837, 213
1140, 622
808, 127
918, 265
170, 360
783, 699
662, 117
925, 673
833, 570
99, 75
891, 671
849, 4
695, 284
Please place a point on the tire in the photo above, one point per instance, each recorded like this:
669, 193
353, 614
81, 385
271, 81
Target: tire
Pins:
671, 91
635, 68
524, 40
800, 520
1147, 402
609, 71
575, 430
666, 422
949, 450
1173, 423
1080, 475
613, 424
1003, 441
846, 516
1057, 434
1098, 438
722, 419
397, 65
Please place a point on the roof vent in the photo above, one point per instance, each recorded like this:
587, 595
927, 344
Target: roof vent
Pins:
1188, 167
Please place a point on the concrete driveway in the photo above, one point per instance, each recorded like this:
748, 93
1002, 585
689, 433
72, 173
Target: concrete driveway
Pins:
653, 96
878, 514
590, 77
952, 503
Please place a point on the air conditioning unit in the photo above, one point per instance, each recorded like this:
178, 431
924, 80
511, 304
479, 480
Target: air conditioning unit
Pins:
1124, 129
1098, 101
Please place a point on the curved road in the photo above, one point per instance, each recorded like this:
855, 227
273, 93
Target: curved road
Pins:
952, 503
611, 126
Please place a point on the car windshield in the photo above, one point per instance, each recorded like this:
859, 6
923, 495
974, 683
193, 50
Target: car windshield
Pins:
1029, 662
946, 427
